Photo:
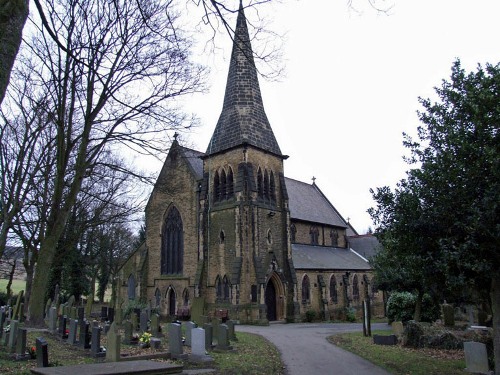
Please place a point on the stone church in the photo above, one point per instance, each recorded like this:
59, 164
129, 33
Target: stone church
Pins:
227, 233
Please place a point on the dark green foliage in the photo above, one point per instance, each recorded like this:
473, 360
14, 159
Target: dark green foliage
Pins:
310, 316
401, 307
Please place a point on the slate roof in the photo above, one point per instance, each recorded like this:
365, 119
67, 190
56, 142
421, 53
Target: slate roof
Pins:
243, 120
193, 157
324, 257
366, 245
307, 202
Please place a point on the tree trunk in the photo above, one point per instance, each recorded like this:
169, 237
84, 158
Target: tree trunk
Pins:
418, 306
29, 285
9, 283
13, 16
495, 306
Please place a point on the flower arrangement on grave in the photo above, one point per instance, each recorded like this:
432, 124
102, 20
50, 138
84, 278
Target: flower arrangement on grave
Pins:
145, 339
7, 328
32, 352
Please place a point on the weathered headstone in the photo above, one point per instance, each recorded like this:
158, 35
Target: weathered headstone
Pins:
175, 340
470, 313
84, 338
397, 328
216, 322
189, 327
104, 313
21, 342
133, 320
476, 357
80, 313
113, 349
111, 314
48, 305
17, 309
155, 342
223, 339
144, 322
3, 317
11, 344
42, 352
52, 319
73, 328
128, 332
230, 330
95, 345
63, 320
5, 338
155, 325
208, 335
198, 346
88, 305
448, 315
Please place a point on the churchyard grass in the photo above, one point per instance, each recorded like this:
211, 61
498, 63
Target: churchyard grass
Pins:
17, 285
399, 360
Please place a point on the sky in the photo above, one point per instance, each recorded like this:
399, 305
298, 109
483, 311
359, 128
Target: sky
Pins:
352, 84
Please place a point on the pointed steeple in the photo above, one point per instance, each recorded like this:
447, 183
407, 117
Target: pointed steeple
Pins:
243, 120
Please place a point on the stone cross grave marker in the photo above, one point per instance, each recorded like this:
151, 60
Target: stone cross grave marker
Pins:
476, 357
42, 352
113, 349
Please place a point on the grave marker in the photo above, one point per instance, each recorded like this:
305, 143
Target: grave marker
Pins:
127, 336
155, 325
144, 322
95, 346
11, 344
189, 327
42, 352
73, 327
476, 357
21, 343
113, 349
208, 336
84, 339
198, 346
223, 339
175, 340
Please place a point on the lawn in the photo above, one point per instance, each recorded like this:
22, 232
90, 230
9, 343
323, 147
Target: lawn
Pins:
399, 360
17, 285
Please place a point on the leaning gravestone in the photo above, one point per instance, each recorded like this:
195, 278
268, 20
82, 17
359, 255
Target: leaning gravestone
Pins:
42, 352
476, 357
113, 349
11, 345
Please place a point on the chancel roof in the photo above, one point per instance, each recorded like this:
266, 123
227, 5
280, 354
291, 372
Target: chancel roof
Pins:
308, 203
193, 157
366, 245
323, 257
243, 120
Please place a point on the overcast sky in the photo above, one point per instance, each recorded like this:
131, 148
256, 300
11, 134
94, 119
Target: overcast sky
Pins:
352, 85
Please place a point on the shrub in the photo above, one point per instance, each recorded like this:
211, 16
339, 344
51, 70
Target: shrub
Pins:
401, 307
131, 306
350, 314
310, 315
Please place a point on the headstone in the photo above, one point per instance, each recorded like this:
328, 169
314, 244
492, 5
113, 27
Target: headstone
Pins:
42, 352
107, 326
230, 330
17, 309
155, 342
11, 344
223, 338
95, 346
52, 319
73, 328
198, 346
216, 322
88, 306
448, 315
56, 296
476, 357
71, 301
127, 336
3, 316
397, 328
144, 322
21, 313
48, 305
113, 349
155, 325
189, 327
80, 313
175, 340
385, 340
63, 319
84, 338
5, 338
104, 313
21, 342
470, 313
208, 335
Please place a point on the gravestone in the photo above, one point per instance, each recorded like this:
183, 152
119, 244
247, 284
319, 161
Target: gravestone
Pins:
216, 322
208, 336
42, 352
448, 315
144, 322
52, 319
385, 339
63, 319
73, 313
175, 340
71, 301
155, 325
470, 314
3, 317
104, 313
56, 296
155, 342
230, 330
84, 338
88, 305
73, 328
21, 343
111, 314
48, 305
5, 338
113, 348
223, 338
476, 357
80, 313
127, 335
11, 344
95, 346
17, 309
189, 327
198, 346
397, 328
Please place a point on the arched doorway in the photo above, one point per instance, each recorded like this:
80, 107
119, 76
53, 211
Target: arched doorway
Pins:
171, 301
275, 298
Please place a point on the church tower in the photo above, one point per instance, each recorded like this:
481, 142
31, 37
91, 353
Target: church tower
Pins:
244, 216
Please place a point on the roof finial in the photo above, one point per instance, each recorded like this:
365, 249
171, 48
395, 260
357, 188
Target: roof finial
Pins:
314, 180
175, 136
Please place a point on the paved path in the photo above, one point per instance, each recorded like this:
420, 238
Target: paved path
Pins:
305, 350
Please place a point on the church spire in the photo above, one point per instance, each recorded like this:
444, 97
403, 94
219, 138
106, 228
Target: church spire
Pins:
243, 120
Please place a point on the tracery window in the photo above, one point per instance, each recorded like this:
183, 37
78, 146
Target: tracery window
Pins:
333, 289
314, 232
266, 185
225, 286
334, 235
355, 288
223, 185
172, 246
260, 184
230, 183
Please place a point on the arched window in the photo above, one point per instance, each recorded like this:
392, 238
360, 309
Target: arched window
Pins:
218, 288
230, 183
172, 304
333, 289
272, 187
306, 293
293, 232
260, 184
185, 297
266, 185
216, 187
172, 246
314, 232
157, 297
334, 236
131, 287
355, 288
225, 283
269, 237
222, 237
223, 185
